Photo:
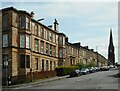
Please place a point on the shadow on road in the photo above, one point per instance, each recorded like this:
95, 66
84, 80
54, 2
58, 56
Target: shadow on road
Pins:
115, 75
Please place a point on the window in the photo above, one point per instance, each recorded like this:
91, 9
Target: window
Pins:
47, 65
54, 64
22, 41
60, 40
22, 60
22, 21
63, 41
42, 64
60, 53
50, 35
47, 49
36, 63
54, 51
30, 25
50, 50
5, 40
36, 30
42, 32
27, 41
50, 65
5, 61
54, 38
5, 20
47, 36
42, 47
27, 23
27, 61
36, 45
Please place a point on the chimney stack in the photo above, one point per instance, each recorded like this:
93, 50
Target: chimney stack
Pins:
32, 14
56, 25
66, 39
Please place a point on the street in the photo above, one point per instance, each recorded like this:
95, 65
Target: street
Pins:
98, 80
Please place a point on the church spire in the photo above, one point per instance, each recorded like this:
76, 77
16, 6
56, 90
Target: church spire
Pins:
111, 55
111, 38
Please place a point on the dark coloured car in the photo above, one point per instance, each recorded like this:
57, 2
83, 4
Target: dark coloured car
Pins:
75, 73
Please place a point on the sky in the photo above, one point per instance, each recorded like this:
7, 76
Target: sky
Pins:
85, 22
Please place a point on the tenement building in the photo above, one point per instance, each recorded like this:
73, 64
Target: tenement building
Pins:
32, 50
29, 47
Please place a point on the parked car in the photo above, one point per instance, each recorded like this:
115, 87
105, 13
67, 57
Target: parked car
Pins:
84, 71
75, 73
104, 68
91, 70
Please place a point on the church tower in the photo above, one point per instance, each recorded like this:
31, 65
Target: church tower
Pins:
111, 55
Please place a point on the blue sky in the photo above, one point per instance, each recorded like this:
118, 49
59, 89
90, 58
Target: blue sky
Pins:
85, 22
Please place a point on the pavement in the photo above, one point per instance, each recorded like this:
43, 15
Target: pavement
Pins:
35, 83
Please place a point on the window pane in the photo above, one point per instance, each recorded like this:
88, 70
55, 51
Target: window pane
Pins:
60, 40
27, 41
22, 60
50, 65
36, 63
5, 20
42, 64
36, 45
27, 23
36, 30
42, 47
42, 32
50, 50
22, 41
47, 65
22, 21
5, 40
27, 61
47, 36
47, 49
54, 64
5, 61
60, 53
50, 35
